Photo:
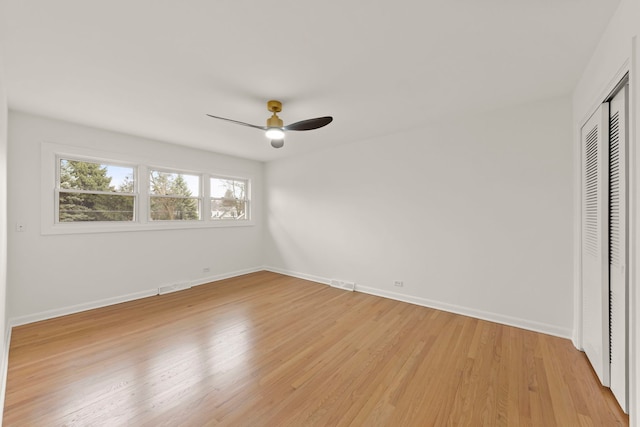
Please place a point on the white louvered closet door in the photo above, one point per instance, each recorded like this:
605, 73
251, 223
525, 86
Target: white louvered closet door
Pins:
595, 242
618, 247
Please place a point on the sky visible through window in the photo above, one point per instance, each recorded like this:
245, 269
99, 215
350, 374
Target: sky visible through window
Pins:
220, 188
119, 174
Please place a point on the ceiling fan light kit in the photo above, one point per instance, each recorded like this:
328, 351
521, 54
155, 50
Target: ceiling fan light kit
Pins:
277, 143
275, 129
274, 133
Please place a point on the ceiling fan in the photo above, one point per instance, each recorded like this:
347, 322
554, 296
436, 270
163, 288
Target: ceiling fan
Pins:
275, 129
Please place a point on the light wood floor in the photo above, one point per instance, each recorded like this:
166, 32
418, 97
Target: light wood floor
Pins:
270, 350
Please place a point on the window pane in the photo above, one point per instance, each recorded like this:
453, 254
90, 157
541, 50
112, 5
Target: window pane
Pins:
90, 176
174, 184
174, 209
76, 207
228, 188
228, 209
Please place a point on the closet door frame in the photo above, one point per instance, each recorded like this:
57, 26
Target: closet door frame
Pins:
605, 94
630, 68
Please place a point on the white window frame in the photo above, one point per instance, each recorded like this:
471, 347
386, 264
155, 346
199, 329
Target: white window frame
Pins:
58, 189
247, 198
52, 152
199, 198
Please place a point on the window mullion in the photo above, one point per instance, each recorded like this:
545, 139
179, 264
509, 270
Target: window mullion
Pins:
143, 194
206, 198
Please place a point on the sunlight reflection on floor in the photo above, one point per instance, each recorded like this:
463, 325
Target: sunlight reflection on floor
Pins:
183, 369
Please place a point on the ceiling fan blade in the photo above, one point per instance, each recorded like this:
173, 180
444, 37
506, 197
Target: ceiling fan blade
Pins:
309, 124
240, 123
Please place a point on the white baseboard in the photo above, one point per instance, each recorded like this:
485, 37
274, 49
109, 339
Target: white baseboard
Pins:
471, 312
452, 308
64, 311
50, 314
217, 277
304, 276
466, 311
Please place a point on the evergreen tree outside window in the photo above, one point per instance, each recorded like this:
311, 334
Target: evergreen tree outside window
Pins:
229, 199
90, 191
174, 196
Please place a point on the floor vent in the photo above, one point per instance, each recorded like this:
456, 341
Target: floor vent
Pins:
173, 288
343, 284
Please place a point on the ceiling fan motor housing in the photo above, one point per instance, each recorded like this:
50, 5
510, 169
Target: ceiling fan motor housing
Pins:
274, 121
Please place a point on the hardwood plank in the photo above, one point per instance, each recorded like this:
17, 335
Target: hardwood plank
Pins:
270, 350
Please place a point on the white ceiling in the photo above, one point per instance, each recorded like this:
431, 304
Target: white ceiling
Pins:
155, 68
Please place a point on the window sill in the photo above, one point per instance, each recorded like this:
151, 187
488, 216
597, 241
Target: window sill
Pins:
102, 227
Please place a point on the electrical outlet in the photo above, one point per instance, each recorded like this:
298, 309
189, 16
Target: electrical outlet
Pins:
20, 227
206, 270
398, 283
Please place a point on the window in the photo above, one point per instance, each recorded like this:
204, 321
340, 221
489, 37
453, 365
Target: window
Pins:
229, 199
85, 190
174, 196
91, 191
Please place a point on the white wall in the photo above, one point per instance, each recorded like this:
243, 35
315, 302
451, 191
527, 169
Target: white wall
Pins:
617, 53
52, 274
473, 215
